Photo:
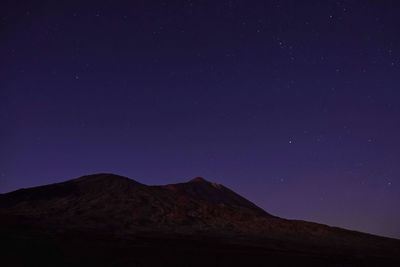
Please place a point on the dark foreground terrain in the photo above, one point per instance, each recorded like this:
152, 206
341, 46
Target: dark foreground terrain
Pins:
109, 220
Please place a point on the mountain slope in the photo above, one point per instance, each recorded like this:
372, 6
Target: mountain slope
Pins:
123, 209
121, 204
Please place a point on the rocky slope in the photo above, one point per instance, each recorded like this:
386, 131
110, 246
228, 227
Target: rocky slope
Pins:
123, 209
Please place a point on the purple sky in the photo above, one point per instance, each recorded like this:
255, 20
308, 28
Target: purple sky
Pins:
293, 104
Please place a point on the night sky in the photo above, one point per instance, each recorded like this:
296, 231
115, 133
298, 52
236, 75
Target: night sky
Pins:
293, 104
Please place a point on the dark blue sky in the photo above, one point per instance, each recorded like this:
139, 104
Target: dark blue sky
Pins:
293, 104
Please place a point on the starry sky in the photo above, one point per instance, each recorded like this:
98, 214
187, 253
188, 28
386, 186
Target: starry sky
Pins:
292, 104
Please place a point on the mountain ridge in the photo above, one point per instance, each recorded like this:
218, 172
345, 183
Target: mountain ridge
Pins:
124, 208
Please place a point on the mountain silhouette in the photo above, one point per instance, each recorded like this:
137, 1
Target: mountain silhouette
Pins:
195, 221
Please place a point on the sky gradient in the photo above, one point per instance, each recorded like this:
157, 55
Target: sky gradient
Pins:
293, 104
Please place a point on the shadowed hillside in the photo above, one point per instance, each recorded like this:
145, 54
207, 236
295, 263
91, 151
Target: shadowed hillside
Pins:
110, 220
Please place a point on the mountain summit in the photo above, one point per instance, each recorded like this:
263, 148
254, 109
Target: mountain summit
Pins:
198, 180
115, 202
120, 209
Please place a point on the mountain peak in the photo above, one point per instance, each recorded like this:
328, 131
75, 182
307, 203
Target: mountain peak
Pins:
198, 180
104, 178
105, 206
101, 176
99, 198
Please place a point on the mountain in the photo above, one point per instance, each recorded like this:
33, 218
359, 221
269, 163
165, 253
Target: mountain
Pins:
110, 220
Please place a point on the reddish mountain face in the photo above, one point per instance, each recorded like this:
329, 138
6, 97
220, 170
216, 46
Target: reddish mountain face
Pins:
124, 208
119, 204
